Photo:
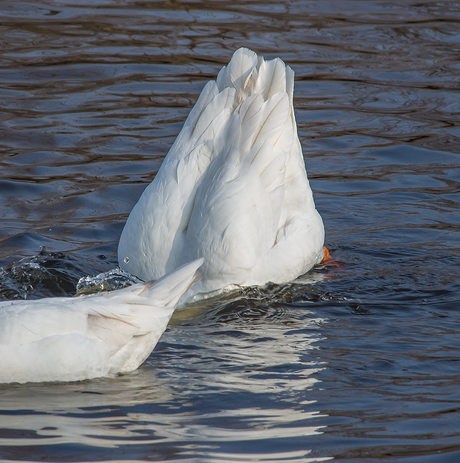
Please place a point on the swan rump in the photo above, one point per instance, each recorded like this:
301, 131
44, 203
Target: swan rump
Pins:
75, 338
233, 188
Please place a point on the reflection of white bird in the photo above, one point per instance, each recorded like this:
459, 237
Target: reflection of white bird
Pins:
233, 187
69, 339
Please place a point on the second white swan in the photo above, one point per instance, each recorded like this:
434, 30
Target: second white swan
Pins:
75, 338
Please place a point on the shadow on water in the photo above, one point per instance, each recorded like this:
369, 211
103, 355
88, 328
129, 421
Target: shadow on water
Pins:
357, 361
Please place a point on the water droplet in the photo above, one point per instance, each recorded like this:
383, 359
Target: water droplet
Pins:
126, 260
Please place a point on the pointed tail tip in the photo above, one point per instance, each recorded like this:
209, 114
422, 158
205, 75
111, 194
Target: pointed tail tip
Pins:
179, 280
190, 266
244, 53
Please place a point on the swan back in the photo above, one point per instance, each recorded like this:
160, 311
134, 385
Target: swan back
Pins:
68, 339
233, 188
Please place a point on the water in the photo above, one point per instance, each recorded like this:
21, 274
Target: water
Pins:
358, 361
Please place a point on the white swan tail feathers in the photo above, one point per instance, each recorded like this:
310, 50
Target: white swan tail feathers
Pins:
70, 339
170, 288
233, 188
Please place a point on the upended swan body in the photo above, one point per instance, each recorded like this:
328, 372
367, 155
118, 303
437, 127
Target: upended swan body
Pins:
70, 339
233, 188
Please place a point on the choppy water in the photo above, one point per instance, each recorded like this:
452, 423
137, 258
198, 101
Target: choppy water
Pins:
355, 362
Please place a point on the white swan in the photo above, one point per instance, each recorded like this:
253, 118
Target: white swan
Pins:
70, 339
233, 188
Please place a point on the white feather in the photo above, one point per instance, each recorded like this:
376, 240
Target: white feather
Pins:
233, 188
69, 339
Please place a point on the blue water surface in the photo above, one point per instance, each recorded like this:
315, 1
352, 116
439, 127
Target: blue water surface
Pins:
357, 361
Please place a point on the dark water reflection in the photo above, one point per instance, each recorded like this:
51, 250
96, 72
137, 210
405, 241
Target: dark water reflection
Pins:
355, 362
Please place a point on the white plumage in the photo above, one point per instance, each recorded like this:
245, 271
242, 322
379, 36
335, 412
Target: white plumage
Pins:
233, 188
69, 339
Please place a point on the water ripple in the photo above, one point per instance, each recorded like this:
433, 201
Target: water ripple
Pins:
357, 360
